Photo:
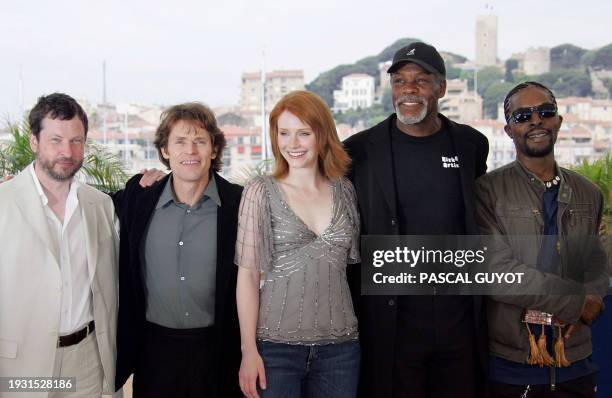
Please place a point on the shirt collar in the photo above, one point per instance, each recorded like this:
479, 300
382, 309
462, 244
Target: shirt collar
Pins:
211, 192
565, 190
72, 194
533, 178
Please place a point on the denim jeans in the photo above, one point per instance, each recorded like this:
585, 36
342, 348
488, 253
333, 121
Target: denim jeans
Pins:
318, 371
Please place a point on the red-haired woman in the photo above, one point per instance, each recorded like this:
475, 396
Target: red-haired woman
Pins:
298, 228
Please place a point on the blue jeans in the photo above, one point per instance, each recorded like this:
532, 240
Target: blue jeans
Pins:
319, 371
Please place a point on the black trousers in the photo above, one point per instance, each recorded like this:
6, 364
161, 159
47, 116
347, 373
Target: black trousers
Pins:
435, 349
582, 387
177, 363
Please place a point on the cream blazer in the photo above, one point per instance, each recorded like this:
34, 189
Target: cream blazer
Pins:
31, 285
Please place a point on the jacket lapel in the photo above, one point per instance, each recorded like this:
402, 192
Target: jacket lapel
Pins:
379, 152
90, 222
147, 201
31, 208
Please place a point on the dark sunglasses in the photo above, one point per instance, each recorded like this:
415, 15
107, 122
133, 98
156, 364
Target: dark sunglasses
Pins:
523, 115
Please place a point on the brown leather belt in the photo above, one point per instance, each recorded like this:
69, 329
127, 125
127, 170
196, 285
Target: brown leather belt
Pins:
76, 337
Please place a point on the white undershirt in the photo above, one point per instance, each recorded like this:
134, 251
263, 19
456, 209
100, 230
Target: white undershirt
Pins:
68, 240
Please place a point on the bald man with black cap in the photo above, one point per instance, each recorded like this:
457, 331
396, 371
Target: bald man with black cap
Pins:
414, 175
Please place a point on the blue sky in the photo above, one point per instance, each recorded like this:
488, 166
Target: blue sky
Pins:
168, 52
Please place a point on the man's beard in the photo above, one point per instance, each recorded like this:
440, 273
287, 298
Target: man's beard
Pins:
411, 119
63, 174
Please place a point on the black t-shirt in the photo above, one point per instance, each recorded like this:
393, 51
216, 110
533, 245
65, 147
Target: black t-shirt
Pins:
428, 184
430, 202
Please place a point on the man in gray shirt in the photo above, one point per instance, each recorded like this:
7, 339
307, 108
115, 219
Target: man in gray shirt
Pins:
180, 255
178, 328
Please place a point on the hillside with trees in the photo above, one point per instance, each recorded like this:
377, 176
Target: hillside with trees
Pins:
569, 76
325, 84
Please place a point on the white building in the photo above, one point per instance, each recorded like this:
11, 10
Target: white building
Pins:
586, 108
242, 152
278, 83
486, 40
501, 147
357, 92
459, 104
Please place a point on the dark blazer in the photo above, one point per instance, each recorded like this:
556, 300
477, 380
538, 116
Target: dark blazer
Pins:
372, 174
135, 206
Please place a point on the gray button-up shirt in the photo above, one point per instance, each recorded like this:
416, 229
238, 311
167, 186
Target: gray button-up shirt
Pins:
180, 260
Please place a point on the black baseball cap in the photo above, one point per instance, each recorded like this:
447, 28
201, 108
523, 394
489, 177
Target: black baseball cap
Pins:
422, 54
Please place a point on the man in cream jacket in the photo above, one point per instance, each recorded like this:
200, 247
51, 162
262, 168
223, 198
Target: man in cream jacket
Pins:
58, 265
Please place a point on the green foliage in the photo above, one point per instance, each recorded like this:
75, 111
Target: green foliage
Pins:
389, 51
495, 95
376, 119
487, 76
387, 101
511, 64
600, 173
101, 169
566, 56
231, 118
567, 83
469, 76
600, 59
519, 77
325, 84
453, 73
608, 83
588, 57
16, 154
365, 115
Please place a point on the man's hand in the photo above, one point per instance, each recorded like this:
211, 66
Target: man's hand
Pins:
150, 177
593, 306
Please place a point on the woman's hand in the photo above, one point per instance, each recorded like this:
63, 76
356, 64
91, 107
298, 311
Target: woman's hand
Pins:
251, 368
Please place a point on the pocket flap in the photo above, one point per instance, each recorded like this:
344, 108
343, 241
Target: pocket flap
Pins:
8, 348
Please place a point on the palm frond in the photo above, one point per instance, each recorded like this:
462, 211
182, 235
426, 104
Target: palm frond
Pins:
102, 169
600, 173
246, 173
16, 154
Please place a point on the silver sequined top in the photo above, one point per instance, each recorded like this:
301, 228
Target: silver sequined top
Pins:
305, 297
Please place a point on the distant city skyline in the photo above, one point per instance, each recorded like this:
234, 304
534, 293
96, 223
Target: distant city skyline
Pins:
162, 53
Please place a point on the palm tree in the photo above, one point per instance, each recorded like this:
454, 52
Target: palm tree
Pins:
600, 173
101, 169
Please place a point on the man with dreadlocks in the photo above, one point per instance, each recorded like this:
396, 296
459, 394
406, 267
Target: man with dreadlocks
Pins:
540, 344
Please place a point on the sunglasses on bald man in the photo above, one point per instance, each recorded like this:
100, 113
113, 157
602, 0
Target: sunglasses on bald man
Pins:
523, 115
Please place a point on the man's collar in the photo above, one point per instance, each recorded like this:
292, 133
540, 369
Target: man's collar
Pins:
211, 190
74, 185
168, 195
534, 178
